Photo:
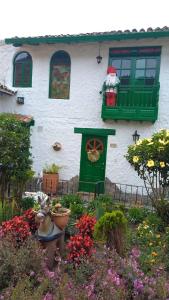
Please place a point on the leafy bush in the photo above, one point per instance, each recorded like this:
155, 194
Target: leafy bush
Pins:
27, 202
150, 159
75, 203
100, 205
15, 156
112, 226
155, 222
162, 208
137, 215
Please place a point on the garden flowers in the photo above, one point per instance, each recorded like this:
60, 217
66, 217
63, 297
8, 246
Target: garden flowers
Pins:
150, 163
135, 159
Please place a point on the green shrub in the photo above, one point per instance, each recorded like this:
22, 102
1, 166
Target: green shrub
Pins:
75, 203
27, 202
137, 215
155, 221
100, 205
113, 227
162, 208
68, 200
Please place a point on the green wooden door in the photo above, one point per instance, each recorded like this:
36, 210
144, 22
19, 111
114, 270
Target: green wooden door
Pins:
93, 163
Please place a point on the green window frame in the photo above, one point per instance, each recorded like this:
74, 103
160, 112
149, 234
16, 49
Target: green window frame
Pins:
137, 66
60, 69
22, 70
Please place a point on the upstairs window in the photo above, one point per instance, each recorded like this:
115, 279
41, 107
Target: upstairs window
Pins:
60, 75
136, 66
22, 70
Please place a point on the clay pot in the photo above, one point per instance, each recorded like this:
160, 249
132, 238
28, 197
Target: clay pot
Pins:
61, 218
50, 183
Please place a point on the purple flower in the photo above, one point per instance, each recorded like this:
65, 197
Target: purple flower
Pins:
135, 252
138, 285
48, 296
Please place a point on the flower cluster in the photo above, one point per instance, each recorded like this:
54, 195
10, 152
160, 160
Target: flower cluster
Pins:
86, 225
79, 247
29, 217
150, 159
81, 244
17, 228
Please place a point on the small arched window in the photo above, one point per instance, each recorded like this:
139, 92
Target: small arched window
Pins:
60, 66
22, 70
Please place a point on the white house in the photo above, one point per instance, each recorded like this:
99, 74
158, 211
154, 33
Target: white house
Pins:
58, 82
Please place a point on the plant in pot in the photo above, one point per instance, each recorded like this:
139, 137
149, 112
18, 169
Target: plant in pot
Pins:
60, 215
50, 179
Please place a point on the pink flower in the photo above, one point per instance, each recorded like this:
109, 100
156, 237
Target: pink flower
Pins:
135, 252
48, 296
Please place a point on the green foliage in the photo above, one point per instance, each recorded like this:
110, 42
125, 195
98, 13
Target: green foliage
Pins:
162, 208
27, 202
155, 221
75, 203
150, 159
108, 222
137, 215
15, 155
100, 205
112, 227
52, 169
8, 210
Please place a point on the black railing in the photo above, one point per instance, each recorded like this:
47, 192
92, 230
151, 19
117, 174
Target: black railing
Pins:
124, 193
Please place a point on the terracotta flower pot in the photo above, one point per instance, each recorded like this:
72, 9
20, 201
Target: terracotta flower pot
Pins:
50, 183
61, 218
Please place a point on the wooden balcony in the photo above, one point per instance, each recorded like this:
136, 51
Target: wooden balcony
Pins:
135, 103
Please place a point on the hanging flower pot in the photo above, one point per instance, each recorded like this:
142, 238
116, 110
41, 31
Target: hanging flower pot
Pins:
93, 155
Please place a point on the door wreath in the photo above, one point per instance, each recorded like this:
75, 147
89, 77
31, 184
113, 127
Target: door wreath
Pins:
94, 147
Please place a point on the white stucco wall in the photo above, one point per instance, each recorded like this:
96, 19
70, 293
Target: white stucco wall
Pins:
55, 119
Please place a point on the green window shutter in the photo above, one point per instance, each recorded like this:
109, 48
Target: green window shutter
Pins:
60, 68
22, 70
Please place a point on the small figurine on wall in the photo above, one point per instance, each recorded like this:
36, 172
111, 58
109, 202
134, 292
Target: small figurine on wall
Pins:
110, 86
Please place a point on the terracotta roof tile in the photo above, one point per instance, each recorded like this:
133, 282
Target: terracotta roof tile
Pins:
164, 31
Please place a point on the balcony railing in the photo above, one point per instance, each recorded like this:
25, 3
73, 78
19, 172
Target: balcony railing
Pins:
136, 103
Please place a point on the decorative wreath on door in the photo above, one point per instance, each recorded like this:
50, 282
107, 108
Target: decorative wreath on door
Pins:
94, 147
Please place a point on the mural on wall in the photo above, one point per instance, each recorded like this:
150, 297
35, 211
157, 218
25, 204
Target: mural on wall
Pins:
60, 76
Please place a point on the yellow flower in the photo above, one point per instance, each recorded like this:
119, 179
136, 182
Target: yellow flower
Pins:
146, 226
139, 142
162, 164
151, 143
154, 253
162, 142
135, 159
152, 261
150, 244
150, 163
158, 236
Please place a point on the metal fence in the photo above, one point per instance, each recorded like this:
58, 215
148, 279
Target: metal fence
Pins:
125, 193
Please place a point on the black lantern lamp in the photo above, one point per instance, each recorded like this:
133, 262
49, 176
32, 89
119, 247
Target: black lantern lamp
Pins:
99, 57
136, 136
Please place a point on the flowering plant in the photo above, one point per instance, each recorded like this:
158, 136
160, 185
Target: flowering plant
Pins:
17, 228
79, 247
29, 216
150, 158
86, 225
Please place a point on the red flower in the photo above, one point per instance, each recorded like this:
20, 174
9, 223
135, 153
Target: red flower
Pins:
86, 225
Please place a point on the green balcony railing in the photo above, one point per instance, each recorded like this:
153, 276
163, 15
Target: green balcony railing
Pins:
135, 103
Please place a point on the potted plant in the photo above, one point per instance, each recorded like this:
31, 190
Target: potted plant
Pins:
60, 215
50, 179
